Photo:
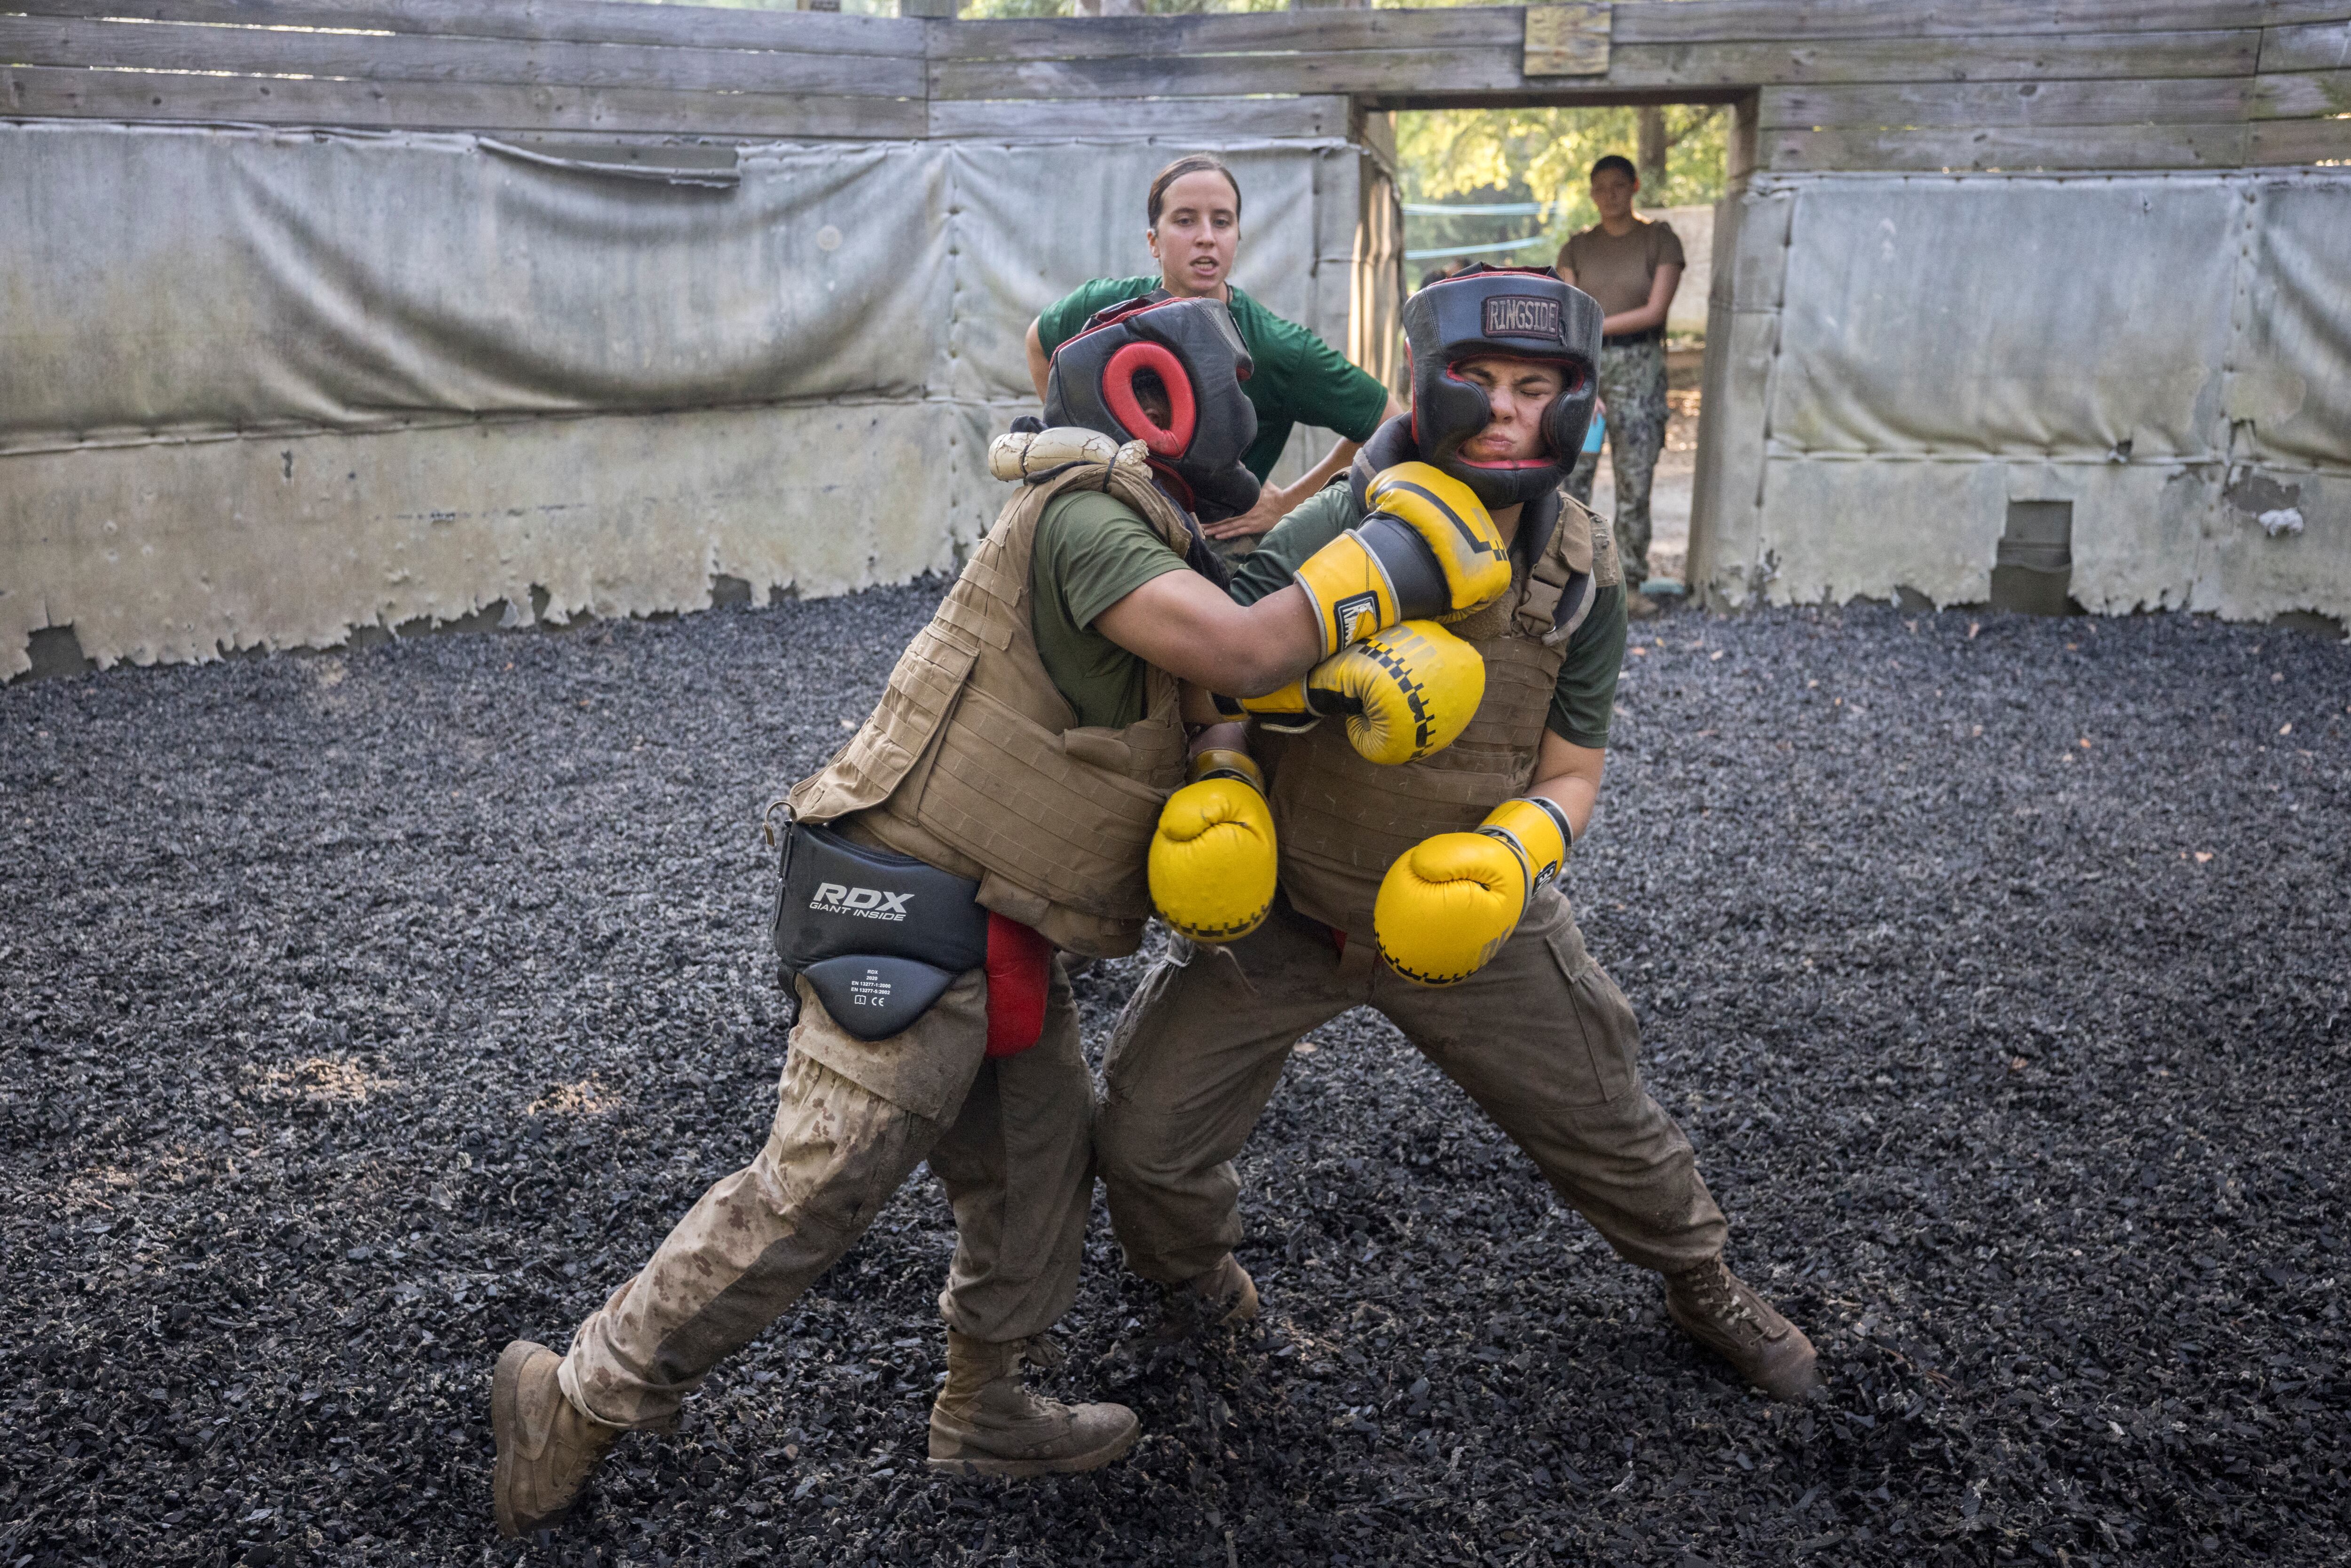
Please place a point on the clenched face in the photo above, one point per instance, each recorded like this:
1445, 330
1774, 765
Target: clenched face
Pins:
1518, 390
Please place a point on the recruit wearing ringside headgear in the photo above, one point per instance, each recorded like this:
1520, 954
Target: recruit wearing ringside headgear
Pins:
1431, 890
1485, 312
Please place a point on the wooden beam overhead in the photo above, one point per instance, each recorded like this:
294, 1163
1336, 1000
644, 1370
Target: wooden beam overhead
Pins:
1029, 120
550, 21
1224, 76
2298, 142
1884, 83
1561, 92
49, 91
2311, 95
57, 41
1567, 41
2308, 48
1498, 72
2010, 56
2008, 147
1232, 33
2191, 100
1768, 21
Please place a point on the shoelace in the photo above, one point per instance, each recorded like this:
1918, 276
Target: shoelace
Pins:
1723, 1298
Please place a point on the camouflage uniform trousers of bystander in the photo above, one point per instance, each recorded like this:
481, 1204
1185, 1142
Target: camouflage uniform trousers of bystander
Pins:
1633, 387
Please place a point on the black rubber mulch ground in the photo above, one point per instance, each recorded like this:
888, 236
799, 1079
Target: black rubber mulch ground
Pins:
360, 1012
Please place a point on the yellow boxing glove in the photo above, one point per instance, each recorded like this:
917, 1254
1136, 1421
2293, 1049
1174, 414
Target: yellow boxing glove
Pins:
1428, 549
1212, 860
1405, 693
1449, 902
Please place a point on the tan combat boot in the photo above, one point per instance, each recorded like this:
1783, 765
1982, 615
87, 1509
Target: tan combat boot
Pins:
547, 1448
1718, 1309
1222, 1295
987, 1423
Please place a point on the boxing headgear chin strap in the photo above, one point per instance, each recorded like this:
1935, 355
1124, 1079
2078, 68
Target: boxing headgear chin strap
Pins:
1518, 313
1191, 347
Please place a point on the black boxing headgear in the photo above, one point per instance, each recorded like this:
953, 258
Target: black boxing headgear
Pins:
1514, 312
1191, 350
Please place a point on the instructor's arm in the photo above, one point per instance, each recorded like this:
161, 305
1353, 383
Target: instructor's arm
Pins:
1275, 502
1041, 363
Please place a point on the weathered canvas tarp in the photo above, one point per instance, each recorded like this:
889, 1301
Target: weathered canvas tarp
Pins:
242, 282
1908, 354
2294, 388
277, 384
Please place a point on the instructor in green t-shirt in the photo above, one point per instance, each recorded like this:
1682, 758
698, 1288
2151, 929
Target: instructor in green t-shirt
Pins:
1195, 215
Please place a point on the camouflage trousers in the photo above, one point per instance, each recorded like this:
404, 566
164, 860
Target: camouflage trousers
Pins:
1633, 386
1010, 1139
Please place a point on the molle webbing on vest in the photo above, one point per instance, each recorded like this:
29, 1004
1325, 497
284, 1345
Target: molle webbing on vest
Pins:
1341, 821
1606, 568
971, 761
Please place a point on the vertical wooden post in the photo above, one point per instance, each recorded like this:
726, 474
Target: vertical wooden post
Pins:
1742, 329
1376, 280
1746, 117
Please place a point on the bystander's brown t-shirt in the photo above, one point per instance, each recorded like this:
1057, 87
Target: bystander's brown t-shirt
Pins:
1617, 269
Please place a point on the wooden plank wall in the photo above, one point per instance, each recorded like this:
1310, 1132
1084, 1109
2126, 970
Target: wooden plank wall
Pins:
1833, 84
540, 65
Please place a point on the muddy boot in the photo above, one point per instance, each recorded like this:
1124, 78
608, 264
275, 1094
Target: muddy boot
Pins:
1639, 606
1717, 1309
547, 1448
986, 1423
1224, 1294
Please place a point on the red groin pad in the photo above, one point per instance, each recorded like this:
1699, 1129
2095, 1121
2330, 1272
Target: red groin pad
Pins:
1019, 973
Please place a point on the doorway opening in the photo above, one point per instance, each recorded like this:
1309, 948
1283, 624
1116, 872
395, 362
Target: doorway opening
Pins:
1508, 184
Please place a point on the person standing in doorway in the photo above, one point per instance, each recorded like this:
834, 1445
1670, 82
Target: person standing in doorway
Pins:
1631, 266
1194, 232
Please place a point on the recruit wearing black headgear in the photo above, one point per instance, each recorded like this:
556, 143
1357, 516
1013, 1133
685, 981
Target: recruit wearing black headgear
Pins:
1519, 313
1191, 350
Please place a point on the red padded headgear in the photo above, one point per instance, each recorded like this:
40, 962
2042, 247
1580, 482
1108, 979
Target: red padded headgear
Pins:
1193, 348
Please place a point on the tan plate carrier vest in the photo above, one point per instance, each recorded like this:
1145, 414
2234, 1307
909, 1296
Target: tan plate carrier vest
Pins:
1341, 821
974, 761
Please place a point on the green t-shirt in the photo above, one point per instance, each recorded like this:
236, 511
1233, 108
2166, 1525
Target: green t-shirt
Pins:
1093, 549
1586, 697
1296, 379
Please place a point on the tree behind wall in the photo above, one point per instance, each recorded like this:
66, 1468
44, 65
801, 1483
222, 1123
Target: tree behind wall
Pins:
1546, 155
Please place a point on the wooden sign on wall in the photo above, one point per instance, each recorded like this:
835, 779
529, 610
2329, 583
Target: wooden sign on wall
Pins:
1567, 41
